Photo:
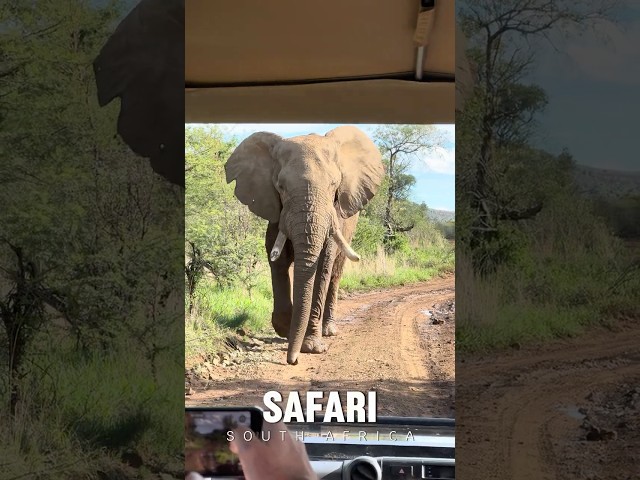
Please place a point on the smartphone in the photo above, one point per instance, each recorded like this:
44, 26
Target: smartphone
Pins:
208, 432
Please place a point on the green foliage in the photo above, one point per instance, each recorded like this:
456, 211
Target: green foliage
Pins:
447, 229
564, 272
368, 236
399, 145
396, 243
83, 414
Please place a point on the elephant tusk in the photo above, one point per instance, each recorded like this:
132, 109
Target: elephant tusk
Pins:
277, 247
346, 248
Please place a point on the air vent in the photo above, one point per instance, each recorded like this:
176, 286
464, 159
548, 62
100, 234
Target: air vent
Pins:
363, 468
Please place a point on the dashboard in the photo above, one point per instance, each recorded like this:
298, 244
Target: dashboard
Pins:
385, 468
393, 448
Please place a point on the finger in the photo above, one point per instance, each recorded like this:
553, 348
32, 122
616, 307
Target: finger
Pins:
242, 438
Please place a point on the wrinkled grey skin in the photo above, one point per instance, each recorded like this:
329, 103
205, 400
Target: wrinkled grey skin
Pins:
310, 188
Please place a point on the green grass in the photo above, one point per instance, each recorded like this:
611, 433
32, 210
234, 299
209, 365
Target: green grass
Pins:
362, 281
521, 324
220, 311
383, 270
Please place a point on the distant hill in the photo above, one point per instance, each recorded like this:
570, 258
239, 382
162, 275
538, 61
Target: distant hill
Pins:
441, 216
600, 182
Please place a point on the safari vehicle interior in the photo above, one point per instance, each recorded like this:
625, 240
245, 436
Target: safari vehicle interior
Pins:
333, 62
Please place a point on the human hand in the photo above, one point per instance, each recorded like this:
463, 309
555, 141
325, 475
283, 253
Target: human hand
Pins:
280, 458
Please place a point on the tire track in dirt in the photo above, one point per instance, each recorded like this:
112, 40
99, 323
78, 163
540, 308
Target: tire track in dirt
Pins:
517, 410
380, 346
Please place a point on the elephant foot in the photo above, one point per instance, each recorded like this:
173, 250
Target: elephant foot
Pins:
281, 322
313, 345
329, 329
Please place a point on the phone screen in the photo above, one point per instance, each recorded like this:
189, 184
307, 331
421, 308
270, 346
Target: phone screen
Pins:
207, 441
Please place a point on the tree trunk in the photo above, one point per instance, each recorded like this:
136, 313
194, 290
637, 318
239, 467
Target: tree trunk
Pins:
388, 222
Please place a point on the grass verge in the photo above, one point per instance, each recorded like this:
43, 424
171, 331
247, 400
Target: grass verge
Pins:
81, 418
548, 302
383, 270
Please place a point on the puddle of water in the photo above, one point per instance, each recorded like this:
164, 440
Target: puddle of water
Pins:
573, 412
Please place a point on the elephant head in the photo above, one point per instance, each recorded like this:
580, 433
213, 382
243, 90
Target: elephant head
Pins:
304, 184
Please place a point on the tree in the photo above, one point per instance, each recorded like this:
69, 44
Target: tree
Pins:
400, 145
501, 112
222, 236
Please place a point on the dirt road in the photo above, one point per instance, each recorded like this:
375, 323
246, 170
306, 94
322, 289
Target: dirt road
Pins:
398, 342
570, 410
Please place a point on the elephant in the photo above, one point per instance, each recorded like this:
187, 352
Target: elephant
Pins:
311, 189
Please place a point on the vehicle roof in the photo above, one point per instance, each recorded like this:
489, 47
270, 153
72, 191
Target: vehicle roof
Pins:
329, 61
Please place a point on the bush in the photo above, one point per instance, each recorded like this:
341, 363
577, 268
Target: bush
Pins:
566, 273
368, 236
397, 243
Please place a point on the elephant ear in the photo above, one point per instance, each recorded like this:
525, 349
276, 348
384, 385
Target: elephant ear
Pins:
251, 165
362, 171
143, 64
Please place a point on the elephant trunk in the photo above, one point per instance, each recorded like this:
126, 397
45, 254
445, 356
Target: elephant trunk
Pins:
311, 218
308, 229
304, 272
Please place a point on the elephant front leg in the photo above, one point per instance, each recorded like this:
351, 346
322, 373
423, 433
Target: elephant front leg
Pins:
281, 283
329, 328
313, 339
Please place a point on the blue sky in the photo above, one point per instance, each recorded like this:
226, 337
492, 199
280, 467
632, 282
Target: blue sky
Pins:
434, 172
593, 85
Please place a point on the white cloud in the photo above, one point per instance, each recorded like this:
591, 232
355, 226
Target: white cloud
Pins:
448, 130
440, 160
